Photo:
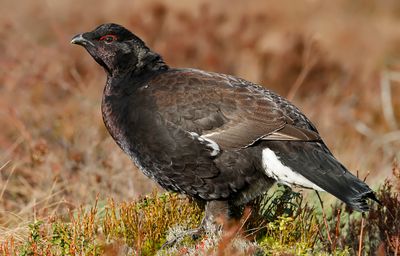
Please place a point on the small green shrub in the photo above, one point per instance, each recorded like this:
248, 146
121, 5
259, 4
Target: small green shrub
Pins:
278, 224
143, 224
78, 236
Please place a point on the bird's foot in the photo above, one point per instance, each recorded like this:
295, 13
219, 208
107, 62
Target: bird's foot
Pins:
195, 234
213, 210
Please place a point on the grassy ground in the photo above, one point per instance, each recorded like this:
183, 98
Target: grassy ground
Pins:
338, 61
278, 224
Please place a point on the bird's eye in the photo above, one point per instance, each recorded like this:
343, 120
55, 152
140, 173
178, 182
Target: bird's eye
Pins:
108, 38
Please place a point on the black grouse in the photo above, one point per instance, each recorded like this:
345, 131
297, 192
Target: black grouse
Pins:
217, 138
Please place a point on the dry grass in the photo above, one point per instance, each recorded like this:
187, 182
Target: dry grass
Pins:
136, 228
279, 224
338, 60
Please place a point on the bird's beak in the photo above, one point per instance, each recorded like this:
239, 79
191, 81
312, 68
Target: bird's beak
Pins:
80, 40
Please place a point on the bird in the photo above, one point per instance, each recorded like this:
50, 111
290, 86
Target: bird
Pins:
217, 138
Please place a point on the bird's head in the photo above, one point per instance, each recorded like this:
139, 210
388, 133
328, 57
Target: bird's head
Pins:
116, 49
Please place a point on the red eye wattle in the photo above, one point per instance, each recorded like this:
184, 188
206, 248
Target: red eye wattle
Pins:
108, 38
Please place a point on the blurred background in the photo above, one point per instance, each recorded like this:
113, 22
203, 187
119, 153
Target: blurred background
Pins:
338, 61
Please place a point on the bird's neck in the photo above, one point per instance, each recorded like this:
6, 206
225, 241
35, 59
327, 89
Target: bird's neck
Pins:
150, 61
143, 63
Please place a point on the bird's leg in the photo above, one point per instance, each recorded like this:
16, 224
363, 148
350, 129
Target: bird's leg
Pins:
213, 211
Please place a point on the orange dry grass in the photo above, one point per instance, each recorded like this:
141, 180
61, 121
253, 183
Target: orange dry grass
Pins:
54, 151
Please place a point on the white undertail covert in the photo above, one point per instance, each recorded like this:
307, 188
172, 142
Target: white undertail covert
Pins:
275, 169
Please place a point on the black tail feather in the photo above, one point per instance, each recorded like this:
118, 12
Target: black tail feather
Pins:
315, 162
359, 203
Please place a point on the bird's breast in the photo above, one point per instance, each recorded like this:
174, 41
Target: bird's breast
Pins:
114, 120
133, 124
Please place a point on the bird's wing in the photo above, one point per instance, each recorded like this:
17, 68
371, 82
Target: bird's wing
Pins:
230, 111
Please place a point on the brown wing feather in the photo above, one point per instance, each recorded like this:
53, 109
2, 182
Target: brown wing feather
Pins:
290, 132
240, 135
230, 111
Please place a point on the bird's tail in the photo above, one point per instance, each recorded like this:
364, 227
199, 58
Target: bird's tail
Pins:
359, 202
314, 161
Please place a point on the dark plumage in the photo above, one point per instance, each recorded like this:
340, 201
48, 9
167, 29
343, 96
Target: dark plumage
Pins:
215, 137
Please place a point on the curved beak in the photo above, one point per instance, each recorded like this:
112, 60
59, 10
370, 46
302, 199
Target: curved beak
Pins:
80, 40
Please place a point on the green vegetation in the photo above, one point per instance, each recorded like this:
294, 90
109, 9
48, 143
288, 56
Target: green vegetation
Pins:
281, 224
142, 225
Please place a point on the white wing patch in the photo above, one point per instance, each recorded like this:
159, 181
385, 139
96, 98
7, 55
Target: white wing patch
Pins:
208, 142
283, 174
